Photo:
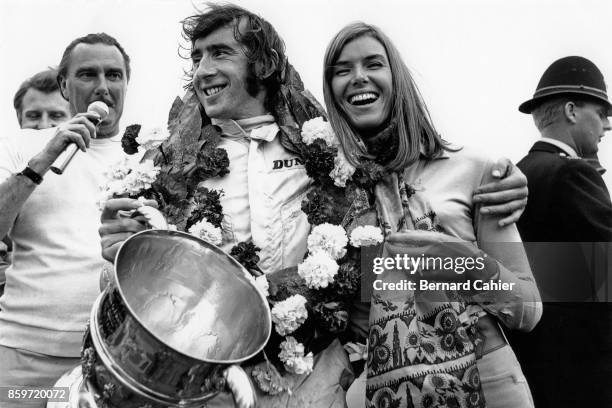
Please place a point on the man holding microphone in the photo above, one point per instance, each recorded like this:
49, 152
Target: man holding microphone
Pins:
53, 219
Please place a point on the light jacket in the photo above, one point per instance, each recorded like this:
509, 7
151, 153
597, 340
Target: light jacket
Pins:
262, 193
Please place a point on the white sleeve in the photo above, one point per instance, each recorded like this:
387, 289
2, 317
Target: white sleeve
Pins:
16, 150
10, 158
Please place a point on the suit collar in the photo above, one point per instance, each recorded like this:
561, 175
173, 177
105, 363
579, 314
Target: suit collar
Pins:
541, 146
567, 149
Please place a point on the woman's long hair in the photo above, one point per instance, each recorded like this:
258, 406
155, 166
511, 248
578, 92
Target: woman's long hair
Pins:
414, 128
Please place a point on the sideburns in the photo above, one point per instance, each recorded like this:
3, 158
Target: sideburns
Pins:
253, 83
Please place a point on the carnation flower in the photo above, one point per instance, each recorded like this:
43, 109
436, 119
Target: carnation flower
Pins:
246, 254
328, 238
292, 355
211, 162
347, 281
319, 208
207, 206
318, 270
108, 191
318, 128
119, 170
152, 137
140, 178
319, 160
128, 177
206, 231
261, 282
289, 314
342, 171
128, 140
366, 235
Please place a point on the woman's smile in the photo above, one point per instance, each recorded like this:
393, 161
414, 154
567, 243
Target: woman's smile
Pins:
362, 84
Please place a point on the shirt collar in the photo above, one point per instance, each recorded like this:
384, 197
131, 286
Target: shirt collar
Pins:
561, 145
241, 129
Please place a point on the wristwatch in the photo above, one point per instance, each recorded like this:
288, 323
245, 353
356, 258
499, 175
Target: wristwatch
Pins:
31, 174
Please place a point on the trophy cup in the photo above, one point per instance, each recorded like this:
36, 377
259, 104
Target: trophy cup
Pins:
171, 328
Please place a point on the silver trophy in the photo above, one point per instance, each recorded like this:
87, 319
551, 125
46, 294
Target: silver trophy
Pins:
171, 328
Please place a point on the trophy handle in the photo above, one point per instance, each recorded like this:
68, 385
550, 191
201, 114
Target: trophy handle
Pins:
153, 216
79, 391
85, 396
240, 386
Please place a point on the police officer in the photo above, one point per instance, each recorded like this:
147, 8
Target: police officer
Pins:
567, 224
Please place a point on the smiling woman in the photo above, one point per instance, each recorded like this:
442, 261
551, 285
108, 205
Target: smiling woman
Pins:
360, 64
362, 84
423, 202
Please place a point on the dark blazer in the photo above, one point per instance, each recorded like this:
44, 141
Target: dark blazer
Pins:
567, 358
568, 199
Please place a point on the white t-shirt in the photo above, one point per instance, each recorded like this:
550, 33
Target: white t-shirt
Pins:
53, 280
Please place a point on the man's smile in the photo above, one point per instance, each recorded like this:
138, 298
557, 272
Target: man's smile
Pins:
213, 90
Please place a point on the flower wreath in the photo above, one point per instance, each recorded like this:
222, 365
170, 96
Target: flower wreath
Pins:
309, 303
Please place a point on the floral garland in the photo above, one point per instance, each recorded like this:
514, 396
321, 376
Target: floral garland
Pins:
308, 302
329, 277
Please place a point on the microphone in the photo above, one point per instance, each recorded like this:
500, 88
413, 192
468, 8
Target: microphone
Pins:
62, 161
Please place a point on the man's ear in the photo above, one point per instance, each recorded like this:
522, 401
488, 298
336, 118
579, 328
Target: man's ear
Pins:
265, 69
569, 110
62, 86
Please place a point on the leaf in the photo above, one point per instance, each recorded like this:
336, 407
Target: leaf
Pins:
186, 130
178, 157
173, 115
290, 77
313, 101
291, 139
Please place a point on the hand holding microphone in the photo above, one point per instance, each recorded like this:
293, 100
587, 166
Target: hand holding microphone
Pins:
62, 161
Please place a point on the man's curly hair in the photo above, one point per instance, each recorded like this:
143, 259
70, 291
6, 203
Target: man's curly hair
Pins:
263, 46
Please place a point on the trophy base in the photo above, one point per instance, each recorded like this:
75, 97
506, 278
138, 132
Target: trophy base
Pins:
83, 394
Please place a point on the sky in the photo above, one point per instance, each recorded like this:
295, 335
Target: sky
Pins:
474, 61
